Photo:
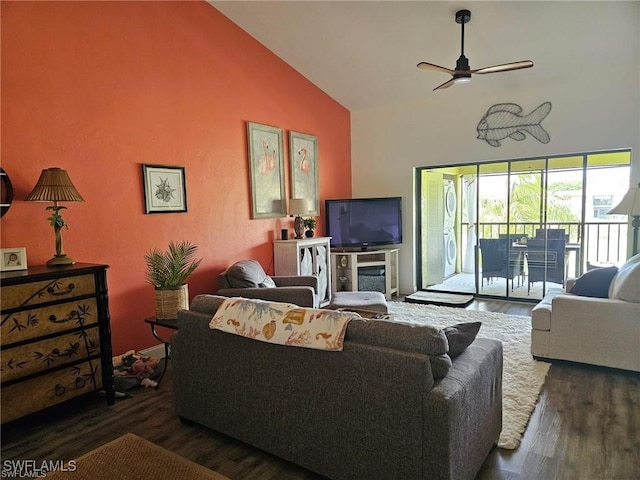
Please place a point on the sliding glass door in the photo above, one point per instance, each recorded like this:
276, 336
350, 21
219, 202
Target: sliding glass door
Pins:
517, 228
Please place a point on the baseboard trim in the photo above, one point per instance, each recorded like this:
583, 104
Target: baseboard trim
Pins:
155, 351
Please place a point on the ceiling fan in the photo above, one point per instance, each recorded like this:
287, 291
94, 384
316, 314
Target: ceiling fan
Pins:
462, 72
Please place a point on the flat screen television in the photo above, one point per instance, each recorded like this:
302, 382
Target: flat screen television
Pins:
363, 222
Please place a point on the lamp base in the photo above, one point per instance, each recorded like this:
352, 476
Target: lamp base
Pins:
636, 225
60, 260
298, 227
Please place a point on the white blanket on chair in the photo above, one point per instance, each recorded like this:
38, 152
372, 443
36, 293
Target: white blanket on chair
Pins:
283, 323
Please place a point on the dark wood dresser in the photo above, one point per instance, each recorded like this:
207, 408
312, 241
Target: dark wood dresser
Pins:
55, 336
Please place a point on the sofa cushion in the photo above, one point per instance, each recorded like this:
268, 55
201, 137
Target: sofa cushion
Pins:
460, 336
423, 339
626, 284
245, 274
594, 283
399, 336
440, 365
208, 304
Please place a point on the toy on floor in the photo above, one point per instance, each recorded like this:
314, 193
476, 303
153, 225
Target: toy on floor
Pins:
132, 369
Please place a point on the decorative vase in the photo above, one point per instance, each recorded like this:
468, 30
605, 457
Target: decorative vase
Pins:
170, 300
309, 233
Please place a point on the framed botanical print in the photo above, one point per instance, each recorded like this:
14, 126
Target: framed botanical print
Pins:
165, 190
303, 152
266, 167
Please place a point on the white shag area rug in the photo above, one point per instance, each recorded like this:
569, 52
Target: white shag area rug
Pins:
522, 376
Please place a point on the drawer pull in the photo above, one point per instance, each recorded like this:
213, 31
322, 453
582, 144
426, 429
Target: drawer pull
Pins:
74, 315
59, 390
55, 289
80, 382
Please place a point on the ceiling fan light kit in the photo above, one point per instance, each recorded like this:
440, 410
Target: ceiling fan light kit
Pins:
462, 72
462, 79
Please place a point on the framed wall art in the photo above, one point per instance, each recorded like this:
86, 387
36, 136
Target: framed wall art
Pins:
303, 152
266, 167
165, 189
13, 259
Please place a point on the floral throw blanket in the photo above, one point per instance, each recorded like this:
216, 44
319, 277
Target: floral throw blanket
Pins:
283, 323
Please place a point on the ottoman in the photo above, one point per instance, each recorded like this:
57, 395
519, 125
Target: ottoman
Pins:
372, 301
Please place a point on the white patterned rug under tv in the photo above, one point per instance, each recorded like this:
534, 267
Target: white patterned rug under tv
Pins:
523, 376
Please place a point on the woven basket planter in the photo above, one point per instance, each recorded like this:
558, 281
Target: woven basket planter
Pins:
169, 301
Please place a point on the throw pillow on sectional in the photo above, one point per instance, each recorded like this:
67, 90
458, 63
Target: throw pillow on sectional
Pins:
460, 336
245, 274
268, 282
595, 283
626, 284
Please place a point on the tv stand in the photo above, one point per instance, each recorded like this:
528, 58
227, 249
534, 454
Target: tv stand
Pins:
365, 270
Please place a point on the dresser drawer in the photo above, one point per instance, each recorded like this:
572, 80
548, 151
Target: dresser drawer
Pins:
32, 395
37, 322
36, 293
42, 355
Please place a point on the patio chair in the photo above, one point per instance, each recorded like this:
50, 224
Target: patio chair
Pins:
545, 261
495, 262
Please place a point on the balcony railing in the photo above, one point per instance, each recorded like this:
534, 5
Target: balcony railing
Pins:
601, 242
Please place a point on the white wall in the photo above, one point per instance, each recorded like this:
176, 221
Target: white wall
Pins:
587, 64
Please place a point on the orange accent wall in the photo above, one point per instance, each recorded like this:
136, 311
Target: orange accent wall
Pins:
100, 88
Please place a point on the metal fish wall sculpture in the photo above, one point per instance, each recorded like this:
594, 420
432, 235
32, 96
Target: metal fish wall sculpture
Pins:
506, 120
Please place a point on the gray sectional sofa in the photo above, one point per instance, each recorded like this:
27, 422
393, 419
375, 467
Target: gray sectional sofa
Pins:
372, 411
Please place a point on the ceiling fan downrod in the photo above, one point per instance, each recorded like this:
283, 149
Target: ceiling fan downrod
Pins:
462, 65
462, 17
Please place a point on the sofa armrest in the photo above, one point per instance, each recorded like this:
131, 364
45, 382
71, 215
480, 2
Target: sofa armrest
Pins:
599, 331
583, 309
463, 412
302, 296
293, 281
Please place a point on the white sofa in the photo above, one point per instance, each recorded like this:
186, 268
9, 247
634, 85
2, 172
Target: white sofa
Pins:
597, 331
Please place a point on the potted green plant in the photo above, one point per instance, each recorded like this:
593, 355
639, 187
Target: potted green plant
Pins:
168, 272
310, 225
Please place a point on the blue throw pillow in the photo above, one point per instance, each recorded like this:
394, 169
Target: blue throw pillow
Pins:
595, 283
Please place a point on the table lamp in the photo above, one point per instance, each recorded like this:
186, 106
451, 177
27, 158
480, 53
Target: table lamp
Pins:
54, 185
630, 205
298, 207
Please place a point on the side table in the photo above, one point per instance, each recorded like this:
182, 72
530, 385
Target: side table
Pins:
166, 323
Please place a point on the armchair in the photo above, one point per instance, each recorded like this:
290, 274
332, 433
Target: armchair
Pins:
248, 279
600, 329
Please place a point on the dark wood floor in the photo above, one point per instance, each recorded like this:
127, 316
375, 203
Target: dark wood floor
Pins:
586, 426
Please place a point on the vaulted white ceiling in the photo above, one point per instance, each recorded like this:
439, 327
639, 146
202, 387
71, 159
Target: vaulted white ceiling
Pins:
364, 54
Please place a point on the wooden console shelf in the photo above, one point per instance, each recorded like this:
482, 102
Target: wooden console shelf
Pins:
375, 270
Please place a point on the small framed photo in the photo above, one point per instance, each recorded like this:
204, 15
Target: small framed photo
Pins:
165, 189
13, 259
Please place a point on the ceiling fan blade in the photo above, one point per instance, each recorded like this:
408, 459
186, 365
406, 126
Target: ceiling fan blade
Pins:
444, 85
437, 68
505, 67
